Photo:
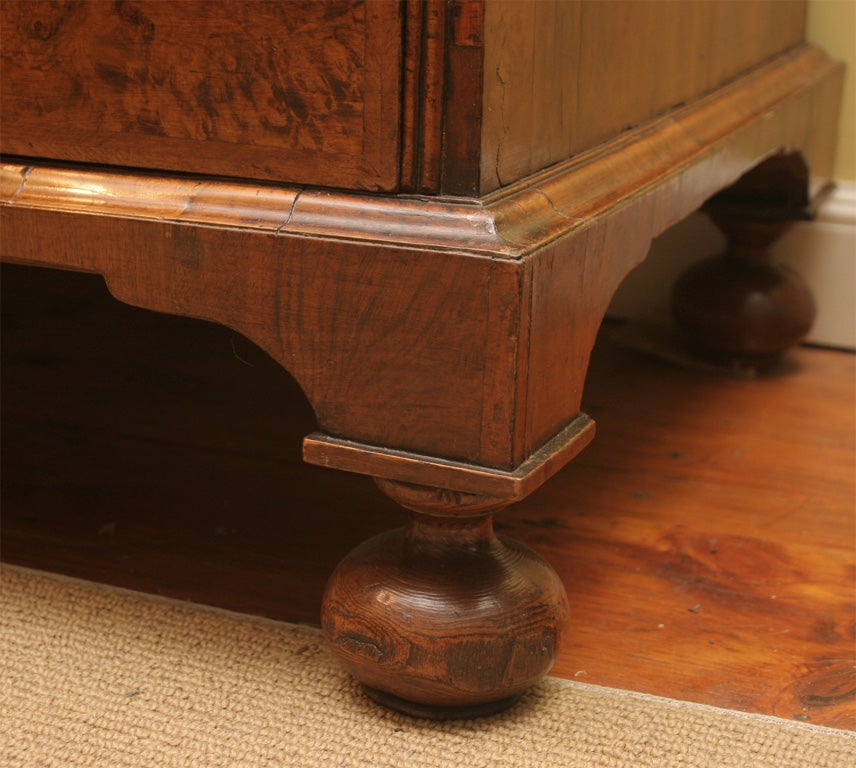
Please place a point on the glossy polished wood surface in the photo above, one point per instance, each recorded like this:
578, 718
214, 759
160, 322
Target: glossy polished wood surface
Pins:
706, 538
445, 328
305, 92
442, 613
440, 342
458, 97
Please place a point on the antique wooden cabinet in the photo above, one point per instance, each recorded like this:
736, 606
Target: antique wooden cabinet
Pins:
421, 210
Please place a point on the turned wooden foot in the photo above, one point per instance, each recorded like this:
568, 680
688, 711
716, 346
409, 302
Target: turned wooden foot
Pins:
741, 306
442, 618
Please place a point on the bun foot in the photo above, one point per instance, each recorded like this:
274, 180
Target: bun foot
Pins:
741, 306
443, 618
730, 308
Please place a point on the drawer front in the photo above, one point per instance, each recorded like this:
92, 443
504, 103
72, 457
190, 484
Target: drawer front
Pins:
290, 91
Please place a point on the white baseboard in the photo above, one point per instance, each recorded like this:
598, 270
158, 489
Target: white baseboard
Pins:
823, 251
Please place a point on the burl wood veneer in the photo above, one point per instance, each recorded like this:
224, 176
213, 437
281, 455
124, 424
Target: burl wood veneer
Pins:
421, 210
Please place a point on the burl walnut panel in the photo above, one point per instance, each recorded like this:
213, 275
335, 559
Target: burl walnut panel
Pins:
299, 91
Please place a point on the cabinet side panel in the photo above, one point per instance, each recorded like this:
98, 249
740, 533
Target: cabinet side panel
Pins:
573, 281
530, 90
562, 77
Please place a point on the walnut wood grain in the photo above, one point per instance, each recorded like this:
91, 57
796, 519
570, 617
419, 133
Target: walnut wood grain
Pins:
305, 92
680, 157
498, 298
464, 106
672, 165
423, 97
460, 97
366, 330
701, 492
443, 615
560, 77
441, 342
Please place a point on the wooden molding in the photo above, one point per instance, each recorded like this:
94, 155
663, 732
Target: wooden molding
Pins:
685, 156
459, 225
500, 297
512, 485
422, 99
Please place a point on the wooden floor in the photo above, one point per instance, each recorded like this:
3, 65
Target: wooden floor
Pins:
706, 538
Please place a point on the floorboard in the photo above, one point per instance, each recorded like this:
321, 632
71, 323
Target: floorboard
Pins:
706, 538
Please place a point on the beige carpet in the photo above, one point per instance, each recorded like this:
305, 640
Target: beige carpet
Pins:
93, 676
